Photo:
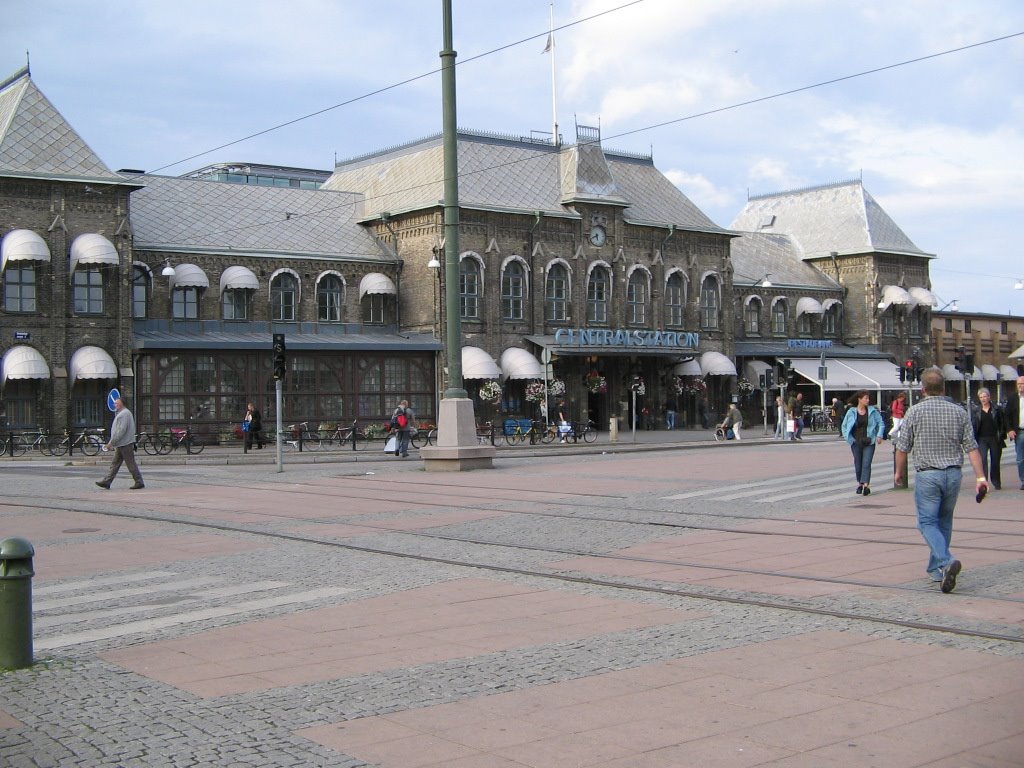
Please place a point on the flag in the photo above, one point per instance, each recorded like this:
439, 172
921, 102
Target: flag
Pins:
550, 44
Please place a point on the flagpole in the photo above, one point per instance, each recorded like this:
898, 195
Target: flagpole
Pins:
551, 44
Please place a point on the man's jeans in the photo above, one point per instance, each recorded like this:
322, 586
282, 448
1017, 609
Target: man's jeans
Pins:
1019, 445
935, 493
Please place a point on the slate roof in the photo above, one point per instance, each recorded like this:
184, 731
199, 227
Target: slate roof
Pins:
197, 215
755, 254
36, 140
518, 175
839, 217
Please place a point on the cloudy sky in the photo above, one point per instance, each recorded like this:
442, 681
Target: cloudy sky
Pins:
171, 86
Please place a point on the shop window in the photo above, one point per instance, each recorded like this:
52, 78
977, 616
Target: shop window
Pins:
140, 293
185, 303
235, 302
709, 303
469, 289
752, 317
20, 403
556, 294
675, 299
779, 311
512, 289
20, 288
87, 290
598, 291
328, 299
284, 292
636, 298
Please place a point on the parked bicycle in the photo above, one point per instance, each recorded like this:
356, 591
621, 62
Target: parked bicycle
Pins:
182, 436
40, 441
89, 443
514, 432
153, 443
301, 437
424, 437
353, 436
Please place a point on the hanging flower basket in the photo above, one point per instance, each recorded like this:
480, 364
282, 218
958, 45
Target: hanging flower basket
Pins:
535, 392
596, 383
490, 392
698, 387
556, 387
679, 385
639, 387
745, 386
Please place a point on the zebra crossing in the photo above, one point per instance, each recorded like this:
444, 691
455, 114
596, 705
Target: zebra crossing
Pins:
102, 608
820, 487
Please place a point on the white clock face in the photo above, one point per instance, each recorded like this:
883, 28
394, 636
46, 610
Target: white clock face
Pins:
597, 236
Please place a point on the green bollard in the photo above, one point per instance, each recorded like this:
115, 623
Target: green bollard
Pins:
16, 603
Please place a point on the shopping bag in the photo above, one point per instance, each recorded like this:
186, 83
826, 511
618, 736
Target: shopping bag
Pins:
790, 425
564, 428
391, 445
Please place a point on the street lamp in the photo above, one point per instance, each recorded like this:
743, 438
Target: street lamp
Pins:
953, 306
168, 270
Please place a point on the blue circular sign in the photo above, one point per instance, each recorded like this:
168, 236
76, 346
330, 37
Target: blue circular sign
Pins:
112, 395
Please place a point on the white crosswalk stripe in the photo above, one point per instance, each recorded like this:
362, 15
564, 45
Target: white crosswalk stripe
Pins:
771, 489
144, 606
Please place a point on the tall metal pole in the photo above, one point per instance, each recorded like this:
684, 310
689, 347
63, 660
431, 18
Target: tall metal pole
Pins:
455, 388
278, 405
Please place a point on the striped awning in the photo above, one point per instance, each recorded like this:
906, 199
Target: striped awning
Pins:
23, 245
91, 248
477, 364
375, 282
189, 276
24, 362
91, 363
238, 277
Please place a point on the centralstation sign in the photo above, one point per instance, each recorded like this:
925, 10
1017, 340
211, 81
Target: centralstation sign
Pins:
605, 337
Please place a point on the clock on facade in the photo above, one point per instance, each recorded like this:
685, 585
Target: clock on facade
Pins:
597, 235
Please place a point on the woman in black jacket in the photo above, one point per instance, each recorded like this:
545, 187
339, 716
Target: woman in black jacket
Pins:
990, 432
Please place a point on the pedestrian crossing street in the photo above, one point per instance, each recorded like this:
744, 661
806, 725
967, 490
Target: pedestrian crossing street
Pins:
132, 604
827, 486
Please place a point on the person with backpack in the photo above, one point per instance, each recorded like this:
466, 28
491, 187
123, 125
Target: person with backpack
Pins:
402, 424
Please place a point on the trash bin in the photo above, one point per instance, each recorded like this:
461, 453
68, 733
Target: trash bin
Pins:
16, 603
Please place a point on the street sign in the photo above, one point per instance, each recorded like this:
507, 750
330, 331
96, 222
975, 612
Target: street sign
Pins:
112, 395
822, 373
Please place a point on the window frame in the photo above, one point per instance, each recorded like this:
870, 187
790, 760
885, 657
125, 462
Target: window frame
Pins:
598, 294
284, 299
675, 300
752, 316
556, 294
185, 302
325, 289
513, 291
25, 304
469, 289
780, 317
637, 293
710, 309
87, 284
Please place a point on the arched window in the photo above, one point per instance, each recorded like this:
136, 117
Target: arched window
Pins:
805, 324
328, 299
709, 304
284, 291
599, 286
513, 288
675, 299
752, 317
469, 288
20, 287
830, 319
140, 292
556, 294
636, 297
779, 311
185, 302
87, 286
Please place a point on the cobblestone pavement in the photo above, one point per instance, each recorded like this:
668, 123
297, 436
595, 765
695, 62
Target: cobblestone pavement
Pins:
667, 603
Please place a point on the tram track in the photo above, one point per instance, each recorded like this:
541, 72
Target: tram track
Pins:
612, 583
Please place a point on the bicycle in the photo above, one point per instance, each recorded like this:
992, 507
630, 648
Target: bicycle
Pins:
302, 437
514, 433
20, 444
423, 437
348, 435
153, 443
183, 436
89, 443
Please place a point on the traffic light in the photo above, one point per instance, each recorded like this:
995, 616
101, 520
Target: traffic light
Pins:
908, 371
958, 358
763, 382
903, 374
279, 363
969, 363
769, 378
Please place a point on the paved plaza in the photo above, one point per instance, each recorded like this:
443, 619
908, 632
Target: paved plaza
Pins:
665, 603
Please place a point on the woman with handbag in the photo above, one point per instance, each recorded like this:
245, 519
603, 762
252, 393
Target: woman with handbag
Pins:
863, 428
252, 426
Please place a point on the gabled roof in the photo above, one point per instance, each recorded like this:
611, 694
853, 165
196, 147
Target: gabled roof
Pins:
36, 140
756, 254
517, 175
200, 216
840, 217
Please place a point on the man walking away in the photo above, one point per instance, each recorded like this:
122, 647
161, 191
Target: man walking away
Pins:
938, 432
1015, 426
122, 443
403, 432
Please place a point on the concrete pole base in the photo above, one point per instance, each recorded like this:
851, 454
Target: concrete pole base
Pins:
457, 448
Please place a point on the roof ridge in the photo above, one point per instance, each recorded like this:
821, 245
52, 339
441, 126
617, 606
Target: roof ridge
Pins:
801, 190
